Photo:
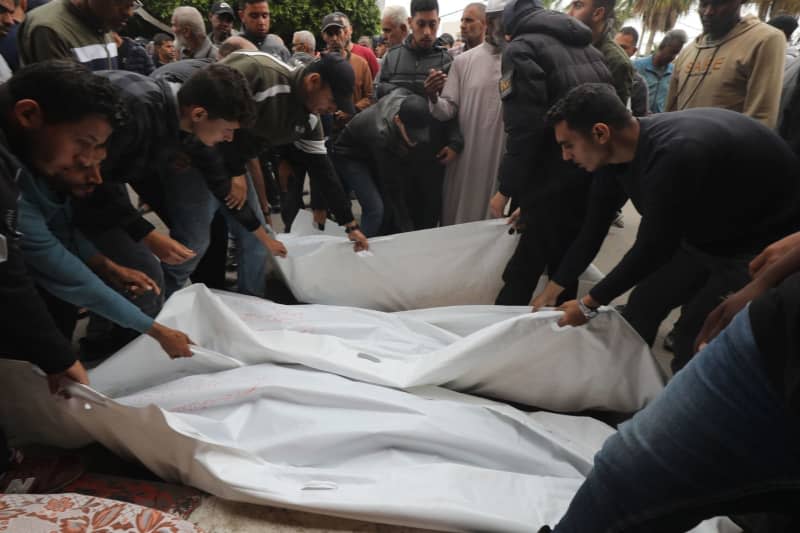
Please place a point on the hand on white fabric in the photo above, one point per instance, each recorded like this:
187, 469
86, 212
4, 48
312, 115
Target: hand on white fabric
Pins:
548, 296
237, 196
175, 343
168, 250
277, 248
573, 316
360, 242
76, 373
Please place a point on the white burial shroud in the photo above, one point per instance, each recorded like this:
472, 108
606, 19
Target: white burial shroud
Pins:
241, 422
451, 265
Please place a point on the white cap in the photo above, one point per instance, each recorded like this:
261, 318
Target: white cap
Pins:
496, 6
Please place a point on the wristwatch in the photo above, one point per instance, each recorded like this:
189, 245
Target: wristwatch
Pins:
587, 311
351, 229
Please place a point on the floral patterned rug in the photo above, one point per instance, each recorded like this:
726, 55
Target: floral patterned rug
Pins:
78, 513
173, 499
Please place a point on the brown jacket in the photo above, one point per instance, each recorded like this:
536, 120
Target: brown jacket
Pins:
362, 92
742, 72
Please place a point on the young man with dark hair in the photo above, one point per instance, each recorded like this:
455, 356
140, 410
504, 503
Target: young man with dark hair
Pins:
690, 175
549, 54
31, 332
63, 146
163, 50
289, 101
420, 66
75, 29
255, 18
598, 15
182, 176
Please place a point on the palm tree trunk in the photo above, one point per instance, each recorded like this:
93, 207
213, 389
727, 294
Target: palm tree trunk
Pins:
650, 39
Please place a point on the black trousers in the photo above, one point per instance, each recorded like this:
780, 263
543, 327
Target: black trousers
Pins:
692, 280
424, 189
211, 268
541, 248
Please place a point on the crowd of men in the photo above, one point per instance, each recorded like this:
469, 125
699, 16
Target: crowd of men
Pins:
534, 114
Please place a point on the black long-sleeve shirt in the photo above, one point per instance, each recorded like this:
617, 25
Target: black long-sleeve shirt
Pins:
711, 178
145, 148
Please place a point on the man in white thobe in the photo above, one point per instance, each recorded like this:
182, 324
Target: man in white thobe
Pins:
471, 93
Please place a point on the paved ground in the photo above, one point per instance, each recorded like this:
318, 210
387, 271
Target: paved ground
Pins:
219, 516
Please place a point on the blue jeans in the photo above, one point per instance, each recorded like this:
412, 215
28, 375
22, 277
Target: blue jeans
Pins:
191, 207
717, 441
357, 176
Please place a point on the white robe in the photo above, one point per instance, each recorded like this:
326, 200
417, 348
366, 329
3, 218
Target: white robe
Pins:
471, 93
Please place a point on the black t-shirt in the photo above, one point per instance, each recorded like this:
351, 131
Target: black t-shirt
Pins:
712, 178
775, 318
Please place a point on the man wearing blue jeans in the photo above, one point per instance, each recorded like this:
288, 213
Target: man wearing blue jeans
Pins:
382, 138
191, 207
724, 436
168, 152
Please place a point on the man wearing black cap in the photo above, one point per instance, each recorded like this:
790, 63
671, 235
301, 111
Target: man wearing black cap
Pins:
383, 137
221, 18
288, 104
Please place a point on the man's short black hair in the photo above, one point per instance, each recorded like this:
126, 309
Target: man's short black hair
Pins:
67, 92
631, 31
786, 23
609, 6
419, 6
586, 105
222, 91
446, 38
161, 38
251, 2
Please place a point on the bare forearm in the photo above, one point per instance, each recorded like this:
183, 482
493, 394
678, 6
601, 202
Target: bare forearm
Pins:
779, 270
